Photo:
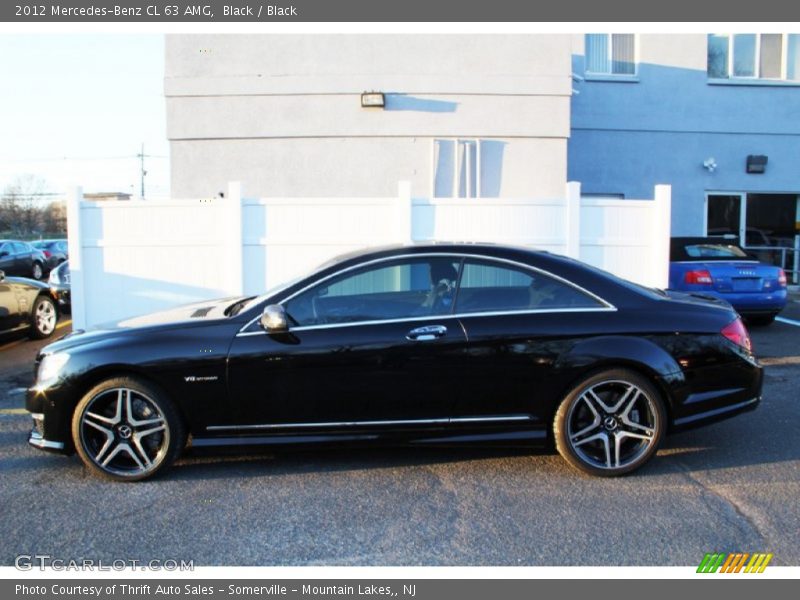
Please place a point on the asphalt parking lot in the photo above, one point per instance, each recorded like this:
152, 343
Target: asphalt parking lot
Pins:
729, 487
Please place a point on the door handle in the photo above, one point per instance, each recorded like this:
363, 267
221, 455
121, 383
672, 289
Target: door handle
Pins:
426, 333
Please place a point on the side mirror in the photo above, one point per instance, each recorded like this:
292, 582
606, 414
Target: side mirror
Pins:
274, 319
3, 253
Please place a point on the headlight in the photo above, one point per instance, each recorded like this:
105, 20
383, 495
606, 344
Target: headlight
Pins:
50, 367
54, 278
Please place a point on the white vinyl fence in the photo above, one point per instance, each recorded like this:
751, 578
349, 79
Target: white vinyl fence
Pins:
133, 257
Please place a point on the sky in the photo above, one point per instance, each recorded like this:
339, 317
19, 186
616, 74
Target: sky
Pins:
75, 110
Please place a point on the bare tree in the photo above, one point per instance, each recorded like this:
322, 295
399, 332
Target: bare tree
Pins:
22, 209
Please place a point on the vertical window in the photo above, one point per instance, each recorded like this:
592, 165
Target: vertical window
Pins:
456, 165
611, 54
754, 56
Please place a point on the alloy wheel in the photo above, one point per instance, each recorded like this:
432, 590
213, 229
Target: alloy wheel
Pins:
45, 317
37, 271
613, 424
124, 433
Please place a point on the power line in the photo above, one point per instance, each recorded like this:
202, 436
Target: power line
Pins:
60, 158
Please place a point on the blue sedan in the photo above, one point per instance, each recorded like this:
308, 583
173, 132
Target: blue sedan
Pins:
716, 267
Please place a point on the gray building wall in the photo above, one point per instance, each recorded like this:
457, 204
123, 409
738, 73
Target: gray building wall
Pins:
282, 113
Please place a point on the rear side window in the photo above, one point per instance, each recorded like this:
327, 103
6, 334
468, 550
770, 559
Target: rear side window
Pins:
21, 248
492, 287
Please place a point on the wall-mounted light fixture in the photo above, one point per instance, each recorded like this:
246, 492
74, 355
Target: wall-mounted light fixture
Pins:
756, 163
710, 164
373, 100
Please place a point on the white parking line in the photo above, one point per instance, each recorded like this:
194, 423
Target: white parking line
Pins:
788, 321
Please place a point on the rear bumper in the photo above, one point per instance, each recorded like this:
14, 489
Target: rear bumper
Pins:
764, 302
716, 414
712, 392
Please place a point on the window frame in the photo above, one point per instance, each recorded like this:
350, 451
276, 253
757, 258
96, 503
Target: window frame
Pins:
463, 257
610, 75
757, 78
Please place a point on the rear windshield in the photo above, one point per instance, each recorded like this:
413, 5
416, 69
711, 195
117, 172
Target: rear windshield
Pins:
714, 251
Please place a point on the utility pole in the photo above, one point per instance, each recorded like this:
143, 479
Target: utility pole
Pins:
141, 167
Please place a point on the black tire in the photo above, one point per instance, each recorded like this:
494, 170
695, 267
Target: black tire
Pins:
760, 320
612, 410
37, 270
43, 319
127, 429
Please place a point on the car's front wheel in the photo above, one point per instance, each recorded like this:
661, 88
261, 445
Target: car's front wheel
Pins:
127, 429
610, 424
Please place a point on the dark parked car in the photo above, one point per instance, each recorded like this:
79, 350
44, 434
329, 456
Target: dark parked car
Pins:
720, 268
21, 259
55, 252
26, 305
423, 345
60, 285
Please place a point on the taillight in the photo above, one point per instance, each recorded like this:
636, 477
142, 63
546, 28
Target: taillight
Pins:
736, 332
782, 278
47, 254
700, 276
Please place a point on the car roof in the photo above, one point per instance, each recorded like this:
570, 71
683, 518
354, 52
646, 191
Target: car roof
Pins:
605, 284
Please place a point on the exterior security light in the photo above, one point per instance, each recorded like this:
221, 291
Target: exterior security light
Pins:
756, 163
373, 100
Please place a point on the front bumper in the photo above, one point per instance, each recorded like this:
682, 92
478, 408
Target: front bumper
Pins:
37, 439
61, 293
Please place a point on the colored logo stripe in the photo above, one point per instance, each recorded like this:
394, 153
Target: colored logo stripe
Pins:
734, 562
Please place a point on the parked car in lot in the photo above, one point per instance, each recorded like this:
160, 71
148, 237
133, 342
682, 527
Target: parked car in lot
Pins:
426, 345
720, 268
26, 305
22, 259
55, 252
60, 285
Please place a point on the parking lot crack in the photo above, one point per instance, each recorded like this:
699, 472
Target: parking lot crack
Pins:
736, 511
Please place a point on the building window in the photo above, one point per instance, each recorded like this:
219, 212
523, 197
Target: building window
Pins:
774, 56
611, 53
457, 168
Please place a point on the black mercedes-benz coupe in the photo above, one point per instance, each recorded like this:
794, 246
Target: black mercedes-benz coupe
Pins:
424, 344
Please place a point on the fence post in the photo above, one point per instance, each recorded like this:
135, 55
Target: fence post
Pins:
572, 220
661, 228
233, 238
75, 244
403, 216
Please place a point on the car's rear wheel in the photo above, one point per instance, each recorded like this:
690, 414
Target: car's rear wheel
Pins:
43, 318
610, 424
37, 271
127, 429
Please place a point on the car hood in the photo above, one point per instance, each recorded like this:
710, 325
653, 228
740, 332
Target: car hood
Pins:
198, 313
